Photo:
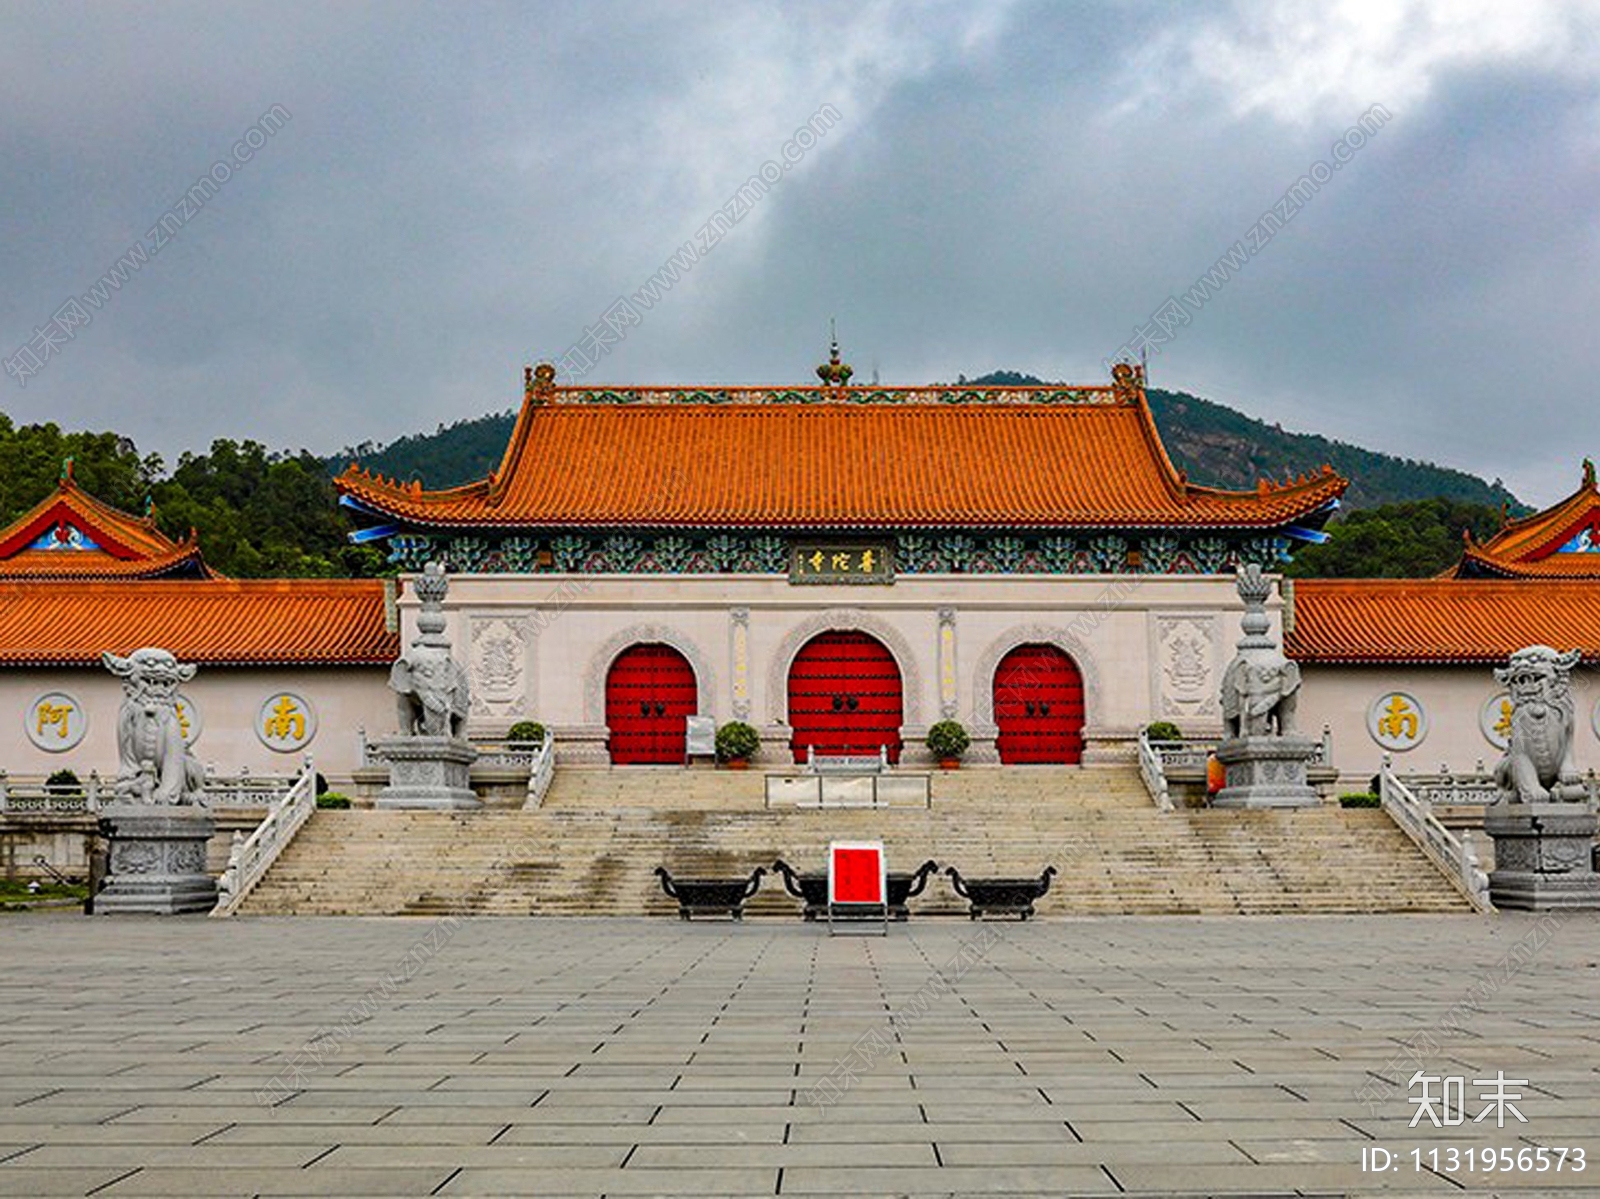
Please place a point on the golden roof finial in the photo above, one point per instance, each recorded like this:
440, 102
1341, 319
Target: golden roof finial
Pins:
833, 372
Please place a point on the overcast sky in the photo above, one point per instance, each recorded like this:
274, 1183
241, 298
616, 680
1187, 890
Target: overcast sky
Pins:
448, 192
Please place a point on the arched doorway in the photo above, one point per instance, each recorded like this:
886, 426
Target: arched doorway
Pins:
649, 690
845, 696
1038, 705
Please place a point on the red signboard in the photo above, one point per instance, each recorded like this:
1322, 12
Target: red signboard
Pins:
856, 873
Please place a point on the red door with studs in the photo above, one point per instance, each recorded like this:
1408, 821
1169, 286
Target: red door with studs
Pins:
649, 690
1038, 705
845, 697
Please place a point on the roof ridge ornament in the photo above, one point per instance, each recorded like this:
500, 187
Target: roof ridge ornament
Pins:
1127, 382
539, 383
66, 479
834, 373
1588, 473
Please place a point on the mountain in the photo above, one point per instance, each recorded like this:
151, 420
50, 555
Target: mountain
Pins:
449, 456
1215, 445
1219, 447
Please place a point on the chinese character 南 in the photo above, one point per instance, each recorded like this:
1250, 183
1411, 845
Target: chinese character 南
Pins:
1399, 720
286, 722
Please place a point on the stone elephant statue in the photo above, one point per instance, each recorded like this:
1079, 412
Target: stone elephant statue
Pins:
433, 693
154, 763
1259, 698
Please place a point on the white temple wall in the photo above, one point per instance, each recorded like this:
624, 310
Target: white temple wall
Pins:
1452, 698
539, 647
341, 699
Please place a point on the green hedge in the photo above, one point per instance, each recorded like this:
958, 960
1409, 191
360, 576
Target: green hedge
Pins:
1360, 799
526, 730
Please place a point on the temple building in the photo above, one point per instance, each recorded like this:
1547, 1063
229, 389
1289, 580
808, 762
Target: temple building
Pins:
841, 566
73, 537
289, 667
1404, 666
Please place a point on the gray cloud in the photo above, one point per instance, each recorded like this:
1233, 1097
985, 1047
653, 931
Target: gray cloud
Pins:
462, 190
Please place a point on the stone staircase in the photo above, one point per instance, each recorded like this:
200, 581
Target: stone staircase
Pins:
591, 850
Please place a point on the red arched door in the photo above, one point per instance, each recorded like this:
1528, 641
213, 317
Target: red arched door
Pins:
1038, 704
649, 690
844, 696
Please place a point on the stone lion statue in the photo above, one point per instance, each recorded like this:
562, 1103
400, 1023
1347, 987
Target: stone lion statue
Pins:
433, 692
1538, 766
154, 764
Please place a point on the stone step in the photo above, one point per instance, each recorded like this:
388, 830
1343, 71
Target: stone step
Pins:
1205, 862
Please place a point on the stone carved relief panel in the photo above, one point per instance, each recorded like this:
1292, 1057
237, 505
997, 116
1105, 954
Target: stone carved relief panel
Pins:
498, 664
1187, 680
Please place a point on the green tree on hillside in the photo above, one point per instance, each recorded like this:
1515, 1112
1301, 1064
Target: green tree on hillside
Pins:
1412, 540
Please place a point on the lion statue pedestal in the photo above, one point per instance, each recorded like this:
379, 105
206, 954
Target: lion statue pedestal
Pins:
157, 829
1264, 757
1544, 823
430, 761
157, 863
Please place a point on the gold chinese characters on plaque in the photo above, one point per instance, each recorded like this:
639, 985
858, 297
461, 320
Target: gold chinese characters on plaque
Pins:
825, 563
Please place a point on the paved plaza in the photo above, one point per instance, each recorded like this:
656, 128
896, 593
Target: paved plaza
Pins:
585, 1057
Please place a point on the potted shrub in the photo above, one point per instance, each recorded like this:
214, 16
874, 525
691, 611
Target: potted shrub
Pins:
947, 741
1162, 730
737, 743
1360, 799
530, 731
333, 800
63, 782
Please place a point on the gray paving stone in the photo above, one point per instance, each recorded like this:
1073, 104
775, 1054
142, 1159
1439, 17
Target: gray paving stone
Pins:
645, 1057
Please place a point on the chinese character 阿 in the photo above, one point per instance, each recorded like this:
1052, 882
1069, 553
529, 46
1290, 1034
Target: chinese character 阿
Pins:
54, 714
1398, 719
287, 721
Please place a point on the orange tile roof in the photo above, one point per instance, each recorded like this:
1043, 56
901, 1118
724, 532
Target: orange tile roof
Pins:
930, 458
1476, 562
1531, 547
1439, 620
313, 622
124, 546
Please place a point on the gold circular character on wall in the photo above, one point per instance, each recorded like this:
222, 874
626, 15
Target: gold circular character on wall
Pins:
55, 722
190, 719
286, 722
1397, 721
1494, 720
